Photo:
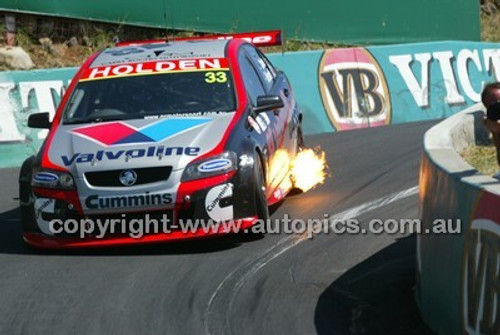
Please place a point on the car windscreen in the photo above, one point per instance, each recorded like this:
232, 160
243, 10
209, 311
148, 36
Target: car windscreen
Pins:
143, 96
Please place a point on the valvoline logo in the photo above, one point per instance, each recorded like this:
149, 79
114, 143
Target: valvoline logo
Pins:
116, 133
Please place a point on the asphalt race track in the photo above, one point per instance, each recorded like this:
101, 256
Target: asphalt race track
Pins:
275, 284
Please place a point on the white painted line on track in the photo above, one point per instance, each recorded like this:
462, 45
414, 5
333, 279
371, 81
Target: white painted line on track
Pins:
237, 278
375, 204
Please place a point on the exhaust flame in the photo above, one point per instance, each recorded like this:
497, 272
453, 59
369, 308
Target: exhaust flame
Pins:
279, 165
309, 169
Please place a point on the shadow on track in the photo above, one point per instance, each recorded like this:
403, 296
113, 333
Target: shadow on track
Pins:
374, 297
11, 242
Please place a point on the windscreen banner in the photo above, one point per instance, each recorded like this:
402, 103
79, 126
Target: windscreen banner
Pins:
337, 89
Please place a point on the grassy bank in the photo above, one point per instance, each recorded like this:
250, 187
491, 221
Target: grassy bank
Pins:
482, 157
63, 42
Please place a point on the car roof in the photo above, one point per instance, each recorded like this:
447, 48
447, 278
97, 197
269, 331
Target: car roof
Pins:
161, 52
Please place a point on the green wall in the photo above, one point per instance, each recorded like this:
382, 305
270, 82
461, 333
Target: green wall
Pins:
351, 22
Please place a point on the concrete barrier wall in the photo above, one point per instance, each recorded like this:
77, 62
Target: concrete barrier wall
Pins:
338, 89
458, 274
21, 94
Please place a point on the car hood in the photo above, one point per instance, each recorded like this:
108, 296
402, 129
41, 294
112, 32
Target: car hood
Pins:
172, 141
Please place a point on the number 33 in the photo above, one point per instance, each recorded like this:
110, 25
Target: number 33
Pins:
212, 77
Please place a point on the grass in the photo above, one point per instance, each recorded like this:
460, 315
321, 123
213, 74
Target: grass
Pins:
490, 27
93, 36
482, 158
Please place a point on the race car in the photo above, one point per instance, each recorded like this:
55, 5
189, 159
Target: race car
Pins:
187, 129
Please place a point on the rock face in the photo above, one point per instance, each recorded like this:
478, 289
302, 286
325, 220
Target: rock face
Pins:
489, 7
15, 58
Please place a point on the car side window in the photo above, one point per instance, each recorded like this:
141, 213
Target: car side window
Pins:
270, 66
267, 72
252, 82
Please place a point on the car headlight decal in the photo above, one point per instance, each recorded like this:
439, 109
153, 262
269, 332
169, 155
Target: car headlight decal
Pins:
212, 166
52, 179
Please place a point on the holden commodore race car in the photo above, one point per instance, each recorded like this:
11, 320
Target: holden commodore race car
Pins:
188, 129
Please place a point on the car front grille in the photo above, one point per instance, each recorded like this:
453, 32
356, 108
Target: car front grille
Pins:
111, 178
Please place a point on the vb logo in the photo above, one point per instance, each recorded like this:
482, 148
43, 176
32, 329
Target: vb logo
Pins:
353, 89
481, 279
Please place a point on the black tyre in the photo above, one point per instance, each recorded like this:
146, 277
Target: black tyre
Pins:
260, 190
300, 138
27, 213
300, 146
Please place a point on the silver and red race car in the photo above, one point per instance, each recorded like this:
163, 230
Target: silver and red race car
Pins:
187, 129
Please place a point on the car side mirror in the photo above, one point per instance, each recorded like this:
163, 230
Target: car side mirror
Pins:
268, 102
39, 120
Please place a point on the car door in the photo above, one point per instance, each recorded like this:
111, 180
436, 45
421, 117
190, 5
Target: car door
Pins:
274, 83
260, 122
271, 123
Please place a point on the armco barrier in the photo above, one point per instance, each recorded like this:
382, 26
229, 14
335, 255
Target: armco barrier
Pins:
458, 275
350, 22
338, 89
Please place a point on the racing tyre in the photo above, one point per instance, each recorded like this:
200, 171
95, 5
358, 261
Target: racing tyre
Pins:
27, 212
260, 190
300, 146
300, 138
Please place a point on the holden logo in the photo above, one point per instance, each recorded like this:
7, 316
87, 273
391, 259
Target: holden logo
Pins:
128, 177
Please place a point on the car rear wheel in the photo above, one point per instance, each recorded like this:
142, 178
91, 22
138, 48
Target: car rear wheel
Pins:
300, 138
300, 145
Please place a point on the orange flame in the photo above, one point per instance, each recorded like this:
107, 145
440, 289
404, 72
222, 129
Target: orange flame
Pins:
309, 169
279, 165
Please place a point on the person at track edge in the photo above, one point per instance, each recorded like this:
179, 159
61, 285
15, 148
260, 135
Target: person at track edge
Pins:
491, 100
